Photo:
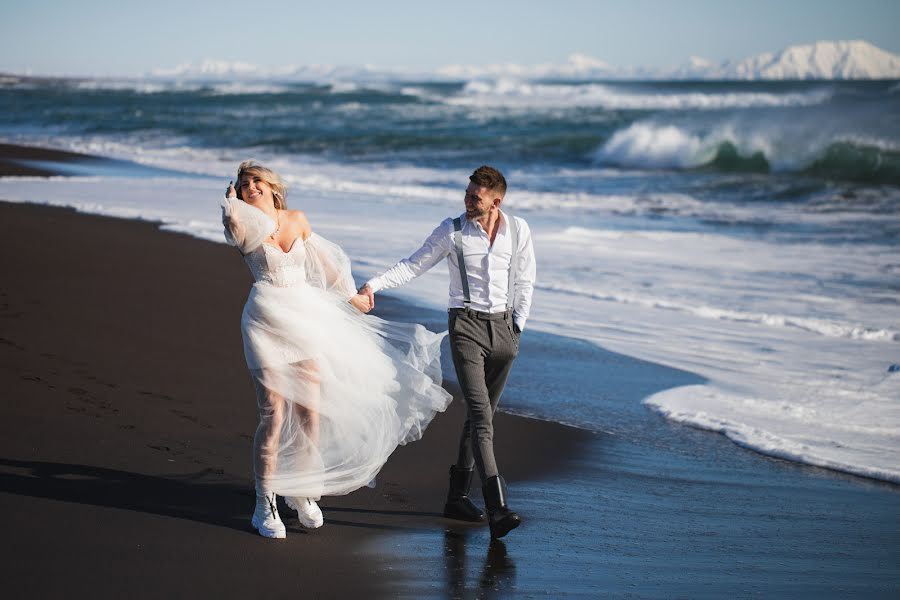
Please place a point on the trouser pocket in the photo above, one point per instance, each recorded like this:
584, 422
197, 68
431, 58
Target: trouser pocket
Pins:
512, 333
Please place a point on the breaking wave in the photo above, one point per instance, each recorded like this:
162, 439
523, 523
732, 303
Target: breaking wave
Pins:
519, 94
656, 146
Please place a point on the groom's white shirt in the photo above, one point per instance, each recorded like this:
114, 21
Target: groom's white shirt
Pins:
487, 266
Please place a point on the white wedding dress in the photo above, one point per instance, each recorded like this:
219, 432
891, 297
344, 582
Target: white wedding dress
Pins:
337, 390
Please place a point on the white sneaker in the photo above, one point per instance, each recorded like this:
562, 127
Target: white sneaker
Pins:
308, 511
265, 517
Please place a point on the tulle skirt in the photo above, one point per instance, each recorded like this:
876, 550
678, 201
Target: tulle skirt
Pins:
337, 390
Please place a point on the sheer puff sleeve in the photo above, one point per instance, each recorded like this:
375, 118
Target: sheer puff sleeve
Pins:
246, 227
328, 267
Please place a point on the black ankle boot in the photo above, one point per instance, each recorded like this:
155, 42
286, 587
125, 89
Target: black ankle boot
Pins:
458, 505
501, 519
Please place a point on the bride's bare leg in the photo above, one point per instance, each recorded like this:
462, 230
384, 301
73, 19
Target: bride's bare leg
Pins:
307, 414
308, 459
266, 440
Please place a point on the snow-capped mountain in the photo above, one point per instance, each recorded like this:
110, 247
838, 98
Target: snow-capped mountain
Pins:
822, 60
219, 70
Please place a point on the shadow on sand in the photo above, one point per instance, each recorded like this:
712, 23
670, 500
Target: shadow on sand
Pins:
191, 496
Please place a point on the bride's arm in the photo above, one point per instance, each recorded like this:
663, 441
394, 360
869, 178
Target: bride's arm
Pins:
329, 268
232, 226
246, 227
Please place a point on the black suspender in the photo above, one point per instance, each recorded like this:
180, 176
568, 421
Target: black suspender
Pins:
513, 254
460, 258
457, 239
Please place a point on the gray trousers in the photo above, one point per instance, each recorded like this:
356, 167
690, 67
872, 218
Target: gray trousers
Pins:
484, 346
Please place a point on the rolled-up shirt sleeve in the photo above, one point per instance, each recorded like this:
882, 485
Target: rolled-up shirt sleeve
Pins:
526, 271
435, 248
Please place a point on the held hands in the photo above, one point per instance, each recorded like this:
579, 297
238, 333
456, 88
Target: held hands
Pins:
231, 192
366, 291
361, 303
364, 300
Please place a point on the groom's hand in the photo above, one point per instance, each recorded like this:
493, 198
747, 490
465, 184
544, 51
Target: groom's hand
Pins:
366, 290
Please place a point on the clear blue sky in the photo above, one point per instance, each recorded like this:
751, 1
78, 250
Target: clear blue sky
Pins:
109, 37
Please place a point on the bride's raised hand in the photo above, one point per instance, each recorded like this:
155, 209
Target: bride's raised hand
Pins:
228, 219
361, 303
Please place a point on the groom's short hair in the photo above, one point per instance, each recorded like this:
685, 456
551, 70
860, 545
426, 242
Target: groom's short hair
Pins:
490, 178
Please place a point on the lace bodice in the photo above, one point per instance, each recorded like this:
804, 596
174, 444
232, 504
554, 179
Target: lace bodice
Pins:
314, 261
271, 264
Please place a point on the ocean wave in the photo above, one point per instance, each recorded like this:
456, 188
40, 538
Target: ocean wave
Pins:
824, 327
152, 87
646, 145
817, 427
622, 204
200, 87
344, 87
238, 88
846, 160
134, 85
509, 93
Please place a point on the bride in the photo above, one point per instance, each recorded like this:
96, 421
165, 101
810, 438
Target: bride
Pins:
337, 390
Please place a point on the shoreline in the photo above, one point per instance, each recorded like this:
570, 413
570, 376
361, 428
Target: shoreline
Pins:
18, 161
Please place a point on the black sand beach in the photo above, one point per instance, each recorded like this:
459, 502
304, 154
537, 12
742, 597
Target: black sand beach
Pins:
127, 418
127, 422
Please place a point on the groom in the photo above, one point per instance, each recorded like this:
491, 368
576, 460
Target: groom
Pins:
492, 270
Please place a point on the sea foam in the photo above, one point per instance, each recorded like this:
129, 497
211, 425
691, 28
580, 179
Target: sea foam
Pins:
820, 426
511, 93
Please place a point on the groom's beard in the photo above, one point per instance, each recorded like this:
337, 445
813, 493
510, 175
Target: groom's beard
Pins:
475, 213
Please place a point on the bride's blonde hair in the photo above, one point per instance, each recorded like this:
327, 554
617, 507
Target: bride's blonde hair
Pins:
279, 191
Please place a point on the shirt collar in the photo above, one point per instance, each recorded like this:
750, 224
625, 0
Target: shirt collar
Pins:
504, 220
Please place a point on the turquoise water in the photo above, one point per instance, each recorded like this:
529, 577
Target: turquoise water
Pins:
846, 131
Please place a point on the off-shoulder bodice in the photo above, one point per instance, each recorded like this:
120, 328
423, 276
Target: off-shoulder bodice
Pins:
270, 264
314, 261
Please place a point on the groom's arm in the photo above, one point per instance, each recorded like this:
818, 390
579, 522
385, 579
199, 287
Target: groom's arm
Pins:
435, 248
526, 271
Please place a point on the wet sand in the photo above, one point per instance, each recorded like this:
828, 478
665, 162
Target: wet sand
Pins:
18, 160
